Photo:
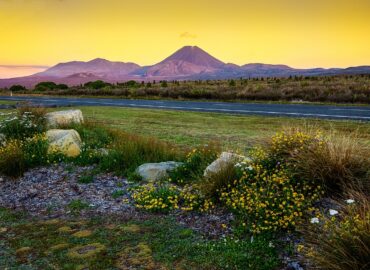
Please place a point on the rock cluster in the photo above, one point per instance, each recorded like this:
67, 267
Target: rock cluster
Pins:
67, 142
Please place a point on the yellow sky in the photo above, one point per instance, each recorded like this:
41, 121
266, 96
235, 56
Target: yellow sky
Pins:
300, 33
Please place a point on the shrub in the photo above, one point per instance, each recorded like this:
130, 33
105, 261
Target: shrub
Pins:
97, 84
340, 241
162, 198
23, 124
194, 165
165, 197
12, 158
212, 184
35, 151
268, 199
17, 156
17, 87
44, 86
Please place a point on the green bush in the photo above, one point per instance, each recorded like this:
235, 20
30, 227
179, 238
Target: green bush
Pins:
44, 86
17, 156
96, 84
25, 123
17, 87
194, 165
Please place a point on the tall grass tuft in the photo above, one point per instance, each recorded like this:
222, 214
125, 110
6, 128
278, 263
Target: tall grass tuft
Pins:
212, 184
339, 162
341, 242
128, 151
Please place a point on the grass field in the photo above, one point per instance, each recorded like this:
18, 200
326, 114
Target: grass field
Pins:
193, 128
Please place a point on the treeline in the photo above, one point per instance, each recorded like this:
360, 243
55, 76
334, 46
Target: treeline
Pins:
342, 89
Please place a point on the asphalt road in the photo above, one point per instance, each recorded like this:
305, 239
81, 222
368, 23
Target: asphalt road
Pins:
292, 110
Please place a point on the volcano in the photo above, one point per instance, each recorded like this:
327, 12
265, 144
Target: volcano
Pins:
186, 61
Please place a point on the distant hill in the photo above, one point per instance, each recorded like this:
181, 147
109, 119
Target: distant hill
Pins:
189, 62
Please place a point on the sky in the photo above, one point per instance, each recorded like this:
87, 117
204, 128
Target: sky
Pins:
302, 34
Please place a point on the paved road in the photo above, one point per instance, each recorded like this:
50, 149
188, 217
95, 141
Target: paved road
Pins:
292, 110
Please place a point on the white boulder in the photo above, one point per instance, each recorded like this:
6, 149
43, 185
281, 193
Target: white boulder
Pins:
60, 118
156, 171
64, 141
220, 163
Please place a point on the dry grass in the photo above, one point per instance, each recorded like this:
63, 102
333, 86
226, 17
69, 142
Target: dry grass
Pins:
341, 243
215, 182
339, 162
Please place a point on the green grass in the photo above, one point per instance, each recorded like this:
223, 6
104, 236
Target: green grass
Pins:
194, 128
157, 243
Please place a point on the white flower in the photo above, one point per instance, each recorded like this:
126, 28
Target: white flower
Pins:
350, 201
315, 220
250, 168
333, 212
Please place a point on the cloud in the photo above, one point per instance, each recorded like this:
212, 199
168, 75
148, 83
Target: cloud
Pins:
188, 35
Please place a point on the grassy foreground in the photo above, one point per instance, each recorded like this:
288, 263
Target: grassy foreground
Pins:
194, 128
108, 243
274, 193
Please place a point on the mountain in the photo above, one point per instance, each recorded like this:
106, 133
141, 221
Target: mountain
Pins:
189, 62
99, 67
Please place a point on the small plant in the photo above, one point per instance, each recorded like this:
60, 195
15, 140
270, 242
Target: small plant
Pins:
166, 197
134, 177
162, 198
77, 205
86, 179
213, 183
194, 165
12, 158
118, 193
17, 156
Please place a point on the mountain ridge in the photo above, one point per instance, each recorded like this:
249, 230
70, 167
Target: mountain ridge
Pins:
189, 62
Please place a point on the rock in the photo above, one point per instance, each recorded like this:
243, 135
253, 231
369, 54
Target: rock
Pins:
156, 171
65, 141
224, 159
60, 118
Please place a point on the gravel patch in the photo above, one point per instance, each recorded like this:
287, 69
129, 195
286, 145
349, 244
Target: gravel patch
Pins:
48, 191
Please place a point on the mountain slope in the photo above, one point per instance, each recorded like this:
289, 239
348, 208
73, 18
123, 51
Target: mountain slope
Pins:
184, 62
98, 67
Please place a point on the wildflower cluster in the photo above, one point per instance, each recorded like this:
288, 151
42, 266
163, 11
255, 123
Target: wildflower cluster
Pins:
21, 126
268, 199
162, 198
287, 143
165, 197
18, 155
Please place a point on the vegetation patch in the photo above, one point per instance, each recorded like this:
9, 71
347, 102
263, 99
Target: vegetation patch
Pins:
86, 251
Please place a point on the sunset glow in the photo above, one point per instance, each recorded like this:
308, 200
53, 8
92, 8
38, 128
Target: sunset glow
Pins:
328, 33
